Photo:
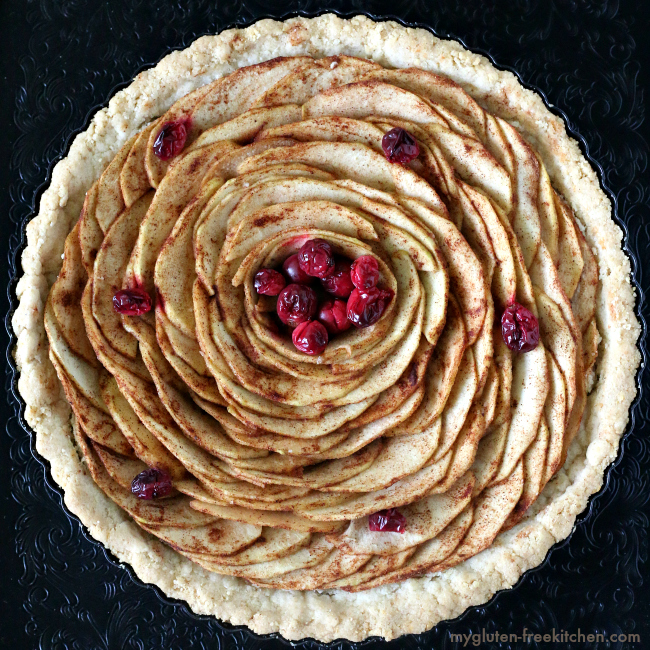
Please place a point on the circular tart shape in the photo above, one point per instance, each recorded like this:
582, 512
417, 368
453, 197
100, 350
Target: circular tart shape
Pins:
278, 459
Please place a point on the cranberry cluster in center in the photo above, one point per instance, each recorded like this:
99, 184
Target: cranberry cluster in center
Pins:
346, 294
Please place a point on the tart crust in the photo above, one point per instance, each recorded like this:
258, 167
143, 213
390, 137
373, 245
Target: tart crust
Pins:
416, 604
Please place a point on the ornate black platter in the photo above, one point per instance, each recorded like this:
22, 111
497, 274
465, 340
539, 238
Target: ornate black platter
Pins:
62, 59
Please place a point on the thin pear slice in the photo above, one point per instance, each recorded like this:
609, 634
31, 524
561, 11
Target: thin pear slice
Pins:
391, 368
221, 538
555, 412
428, 554
321, 475
490, 512
530, 385
411, 380
458, 403
110, 201
237, 92
298, 86
570, 258
400, 457
525, 220
65, 297
134, 181
274, 544
174, 273
558, 340
336, 566
249, 125
328, 423
110, 264
271, 220
488, 457
313, 554
466, 276
371, 97
179, 112
405, 491
425, 519
505, 278
84, 375
377, 566
145, 445
200, 384
441, 92
90, 234
534, 471
354, 161
441, 373
174, 511
175, 191
331, 128
109, 357
271, 441
286, 520
96, 424
122, 470
362, 436
583, 303
503, 366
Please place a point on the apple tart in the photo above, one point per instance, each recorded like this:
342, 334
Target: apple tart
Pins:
331, 323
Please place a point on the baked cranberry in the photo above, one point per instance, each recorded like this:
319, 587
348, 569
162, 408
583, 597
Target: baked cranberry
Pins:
400, 146
519, 328
316, 258
296, 304
310, 337
152, 484
292, 270
339, 283
334, 315
366, 306
390, 520
132, 302
364, 272
171, 139
269, 282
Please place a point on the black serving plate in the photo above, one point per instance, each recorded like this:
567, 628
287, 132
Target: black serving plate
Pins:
61, 60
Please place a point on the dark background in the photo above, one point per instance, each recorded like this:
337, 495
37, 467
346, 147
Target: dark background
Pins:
60, 60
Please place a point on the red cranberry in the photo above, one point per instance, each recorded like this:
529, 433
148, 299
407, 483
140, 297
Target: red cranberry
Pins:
171, 139
519, 328
310, 337
400, 146
152, 484
296, 304
334, 315
390, 520
132, 302
366, 306
339, 283
269, 282
292, 270
365, 272
316, 258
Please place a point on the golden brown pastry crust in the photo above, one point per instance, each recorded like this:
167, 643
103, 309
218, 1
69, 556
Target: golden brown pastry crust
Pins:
386, 611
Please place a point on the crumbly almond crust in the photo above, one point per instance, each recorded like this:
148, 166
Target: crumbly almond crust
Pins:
416, 604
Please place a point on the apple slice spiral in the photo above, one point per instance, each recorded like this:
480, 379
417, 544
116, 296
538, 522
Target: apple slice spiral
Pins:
277, 458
